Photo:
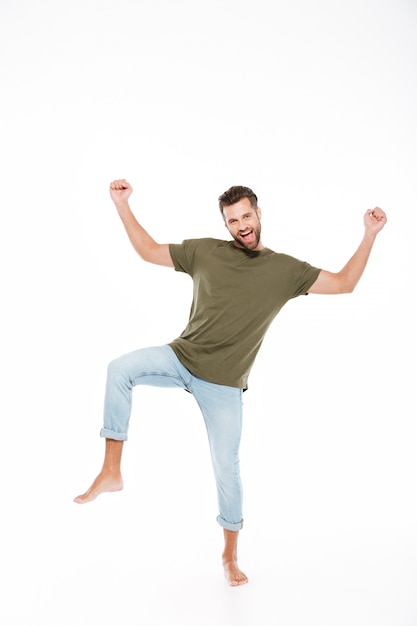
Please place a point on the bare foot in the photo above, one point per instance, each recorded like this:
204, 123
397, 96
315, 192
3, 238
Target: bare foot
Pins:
234, 575
103, 483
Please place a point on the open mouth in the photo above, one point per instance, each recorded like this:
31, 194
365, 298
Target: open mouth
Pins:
249, 236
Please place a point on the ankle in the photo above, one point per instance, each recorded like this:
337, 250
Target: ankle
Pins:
229, 557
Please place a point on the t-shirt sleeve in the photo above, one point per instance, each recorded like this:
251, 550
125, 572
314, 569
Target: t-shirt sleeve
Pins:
183, 255
304, 277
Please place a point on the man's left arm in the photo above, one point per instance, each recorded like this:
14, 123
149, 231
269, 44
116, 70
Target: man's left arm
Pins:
346, 280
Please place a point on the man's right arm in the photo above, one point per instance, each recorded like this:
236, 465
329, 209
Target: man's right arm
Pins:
147, 248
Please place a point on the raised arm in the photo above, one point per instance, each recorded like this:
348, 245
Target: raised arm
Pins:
147, 248
346, 280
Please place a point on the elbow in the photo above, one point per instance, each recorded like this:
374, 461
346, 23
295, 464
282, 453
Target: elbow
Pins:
341, 287
147, 253
145, 257
346, 283
347, 287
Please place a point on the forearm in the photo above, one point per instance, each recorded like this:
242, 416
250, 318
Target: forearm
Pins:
141, 241
351, 273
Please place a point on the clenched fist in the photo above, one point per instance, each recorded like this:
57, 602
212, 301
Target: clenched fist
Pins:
374, 220
120, 191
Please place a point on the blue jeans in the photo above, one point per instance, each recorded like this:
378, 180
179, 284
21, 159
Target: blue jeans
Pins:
220, 405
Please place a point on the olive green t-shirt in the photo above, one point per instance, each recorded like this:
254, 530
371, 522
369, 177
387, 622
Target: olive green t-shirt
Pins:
237, 293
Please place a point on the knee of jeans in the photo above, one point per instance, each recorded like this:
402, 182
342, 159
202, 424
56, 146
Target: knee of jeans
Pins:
115, 369
226, 465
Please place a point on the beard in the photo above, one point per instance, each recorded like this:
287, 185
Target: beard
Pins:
252, 243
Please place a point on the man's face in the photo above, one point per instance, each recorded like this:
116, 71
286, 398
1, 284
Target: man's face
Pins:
244, 224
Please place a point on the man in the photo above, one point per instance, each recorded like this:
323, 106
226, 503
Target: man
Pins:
239, 287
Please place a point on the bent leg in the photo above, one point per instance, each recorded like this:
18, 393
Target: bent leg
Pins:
158, 367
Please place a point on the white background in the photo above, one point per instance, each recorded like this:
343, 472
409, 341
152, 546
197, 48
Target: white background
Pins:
313, 105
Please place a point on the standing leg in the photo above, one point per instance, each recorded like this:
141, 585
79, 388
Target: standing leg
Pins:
222, 410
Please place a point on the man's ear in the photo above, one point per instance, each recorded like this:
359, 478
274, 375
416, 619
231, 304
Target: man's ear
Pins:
259, 212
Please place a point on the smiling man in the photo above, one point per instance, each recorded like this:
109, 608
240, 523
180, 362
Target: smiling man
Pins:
243, 220
239, 287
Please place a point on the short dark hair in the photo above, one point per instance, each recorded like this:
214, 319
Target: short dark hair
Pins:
236, 193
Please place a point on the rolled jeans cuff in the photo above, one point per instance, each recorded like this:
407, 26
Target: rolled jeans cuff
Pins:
228, 525
111, 434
